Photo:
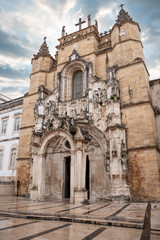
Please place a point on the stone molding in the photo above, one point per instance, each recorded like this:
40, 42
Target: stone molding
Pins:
11, 103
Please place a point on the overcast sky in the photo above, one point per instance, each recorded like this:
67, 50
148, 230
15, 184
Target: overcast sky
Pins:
24, 23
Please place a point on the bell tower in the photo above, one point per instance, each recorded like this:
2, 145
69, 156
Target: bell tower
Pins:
136, 108
42, 65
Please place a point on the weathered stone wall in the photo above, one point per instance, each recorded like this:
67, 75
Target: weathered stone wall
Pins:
137, 115
144, 175
7, 189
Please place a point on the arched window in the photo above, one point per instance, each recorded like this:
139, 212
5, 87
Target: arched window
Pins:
77, 88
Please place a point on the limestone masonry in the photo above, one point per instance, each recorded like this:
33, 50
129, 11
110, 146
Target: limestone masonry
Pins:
89, 125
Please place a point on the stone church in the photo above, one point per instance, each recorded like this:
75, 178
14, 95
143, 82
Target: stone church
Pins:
88, 128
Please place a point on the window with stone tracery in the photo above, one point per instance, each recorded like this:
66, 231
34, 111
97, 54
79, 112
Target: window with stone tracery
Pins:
77, 85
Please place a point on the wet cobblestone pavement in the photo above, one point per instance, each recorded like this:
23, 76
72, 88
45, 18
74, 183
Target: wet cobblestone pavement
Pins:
21, 218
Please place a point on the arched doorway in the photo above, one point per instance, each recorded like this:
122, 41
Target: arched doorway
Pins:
58, 168
70, 167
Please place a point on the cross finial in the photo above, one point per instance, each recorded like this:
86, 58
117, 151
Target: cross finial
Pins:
44, 39
121, 6
80, 23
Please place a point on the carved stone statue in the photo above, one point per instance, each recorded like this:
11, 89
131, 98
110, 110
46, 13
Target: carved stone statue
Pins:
123, 148
50, 108
107, 165
124, 160
114, 148
47, 125
124, 163
56, 123
96, 24
95, 97
112, 84
109, 119
74, 113
84, 110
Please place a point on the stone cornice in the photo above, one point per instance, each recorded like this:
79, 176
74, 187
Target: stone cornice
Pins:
32, 94
11, 103
42, 57
82, 56
134, 63
77, 36
144, 148
9, 139
136, 104
42, 71
116, 25
25, 127
23, 159
126, 40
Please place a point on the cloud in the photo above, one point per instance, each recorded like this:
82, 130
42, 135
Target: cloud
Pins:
155, 71
13, 88
14, 92
9, 72
12, 46
24, 24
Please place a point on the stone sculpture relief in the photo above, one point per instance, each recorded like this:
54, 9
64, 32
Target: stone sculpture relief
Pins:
124, 160
108, 157
112, 84
50, 108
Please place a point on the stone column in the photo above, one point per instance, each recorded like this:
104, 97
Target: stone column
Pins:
41, 179
80, 168
72, 177
38, 182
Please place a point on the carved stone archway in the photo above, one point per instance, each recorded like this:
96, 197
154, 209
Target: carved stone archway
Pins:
39, 160
75, 63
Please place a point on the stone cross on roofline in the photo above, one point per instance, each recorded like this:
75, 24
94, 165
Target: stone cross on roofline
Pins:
121, 6
80, 23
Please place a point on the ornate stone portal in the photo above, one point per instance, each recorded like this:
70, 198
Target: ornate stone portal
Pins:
86, 128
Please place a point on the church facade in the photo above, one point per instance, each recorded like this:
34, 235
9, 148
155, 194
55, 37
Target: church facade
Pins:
88, 128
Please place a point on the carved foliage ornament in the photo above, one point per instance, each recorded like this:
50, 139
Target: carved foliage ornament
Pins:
100, 96
123, 17
43, 51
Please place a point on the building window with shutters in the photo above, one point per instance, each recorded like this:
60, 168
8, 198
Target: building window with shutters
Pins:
13, 158
1, 159
16, 124
77, 85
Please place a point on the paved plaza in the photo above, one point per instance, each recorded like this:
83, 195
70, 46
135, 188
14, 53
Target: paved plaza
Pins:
23, 219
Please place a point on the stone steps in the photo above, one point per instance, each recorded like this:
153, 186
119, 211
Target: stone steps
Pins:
76, 219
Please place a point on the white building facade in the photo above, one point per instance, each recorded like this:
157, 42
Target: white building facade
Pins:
10, 116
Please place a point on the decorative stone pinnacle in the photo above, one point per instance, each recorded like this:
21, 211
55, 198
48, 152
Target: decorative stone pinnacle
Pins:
89, 20
43, 51
123, 16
